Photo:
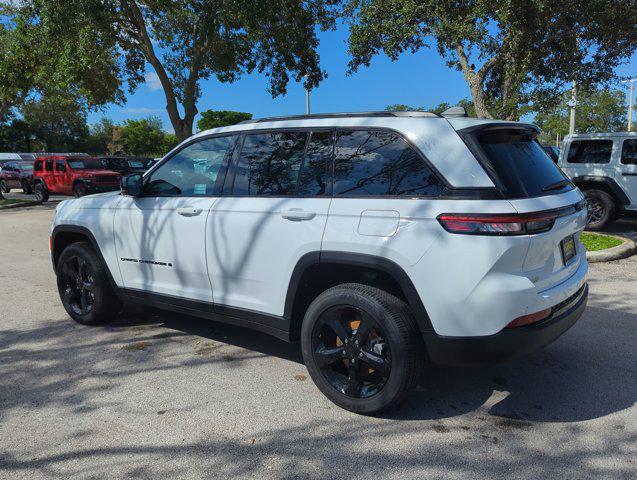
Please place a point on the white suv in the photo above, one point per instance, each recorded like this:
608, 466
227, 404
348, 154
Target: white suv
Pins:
604, 167
379, 240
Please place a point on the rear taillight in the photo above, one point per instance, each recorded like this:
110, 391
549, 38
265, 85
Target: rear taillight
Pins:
496, 224
505, 224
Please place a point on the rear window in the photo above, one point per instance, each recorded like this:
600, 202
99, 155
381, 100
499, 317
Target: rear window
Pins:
522, 166
590, 151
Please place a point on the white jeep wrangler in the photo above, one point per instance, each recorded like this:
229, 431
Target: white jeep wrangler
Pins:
379, 240
604, 167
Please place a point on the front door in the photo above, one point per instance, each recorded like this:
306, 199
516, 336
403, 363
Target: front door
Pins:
162, 248
274, 212
60, 178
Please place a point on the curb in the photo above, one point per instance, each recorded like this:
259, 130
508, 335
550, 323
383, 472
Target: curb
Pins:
20, 204
624, 250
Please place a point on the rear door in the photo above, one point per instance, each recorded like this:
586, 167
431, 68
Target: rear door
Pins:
627, 170
273, 212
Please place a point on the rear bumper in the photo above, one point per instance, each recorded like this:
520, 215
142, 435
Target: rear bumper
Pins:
509, 343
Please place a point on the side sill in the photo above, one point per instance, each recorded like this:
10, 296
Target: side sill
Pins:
218, 313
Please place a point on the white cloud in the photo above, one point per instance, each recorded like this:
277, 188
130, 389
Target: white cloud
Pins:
143, 110
152, 81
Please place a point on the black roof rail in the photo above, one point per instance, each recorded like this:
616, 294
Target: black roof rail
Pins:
340, 115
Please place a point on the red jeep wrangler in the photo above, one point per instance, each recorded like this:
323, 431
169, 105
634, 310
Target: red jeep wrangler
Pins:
77, 176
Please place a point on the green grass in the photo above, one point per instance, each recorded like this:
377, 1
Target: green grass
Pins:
594, 241
11, 201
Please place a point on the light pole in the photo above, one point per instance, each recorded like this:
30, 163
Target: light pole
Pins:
572, 103
307, 98
630, 101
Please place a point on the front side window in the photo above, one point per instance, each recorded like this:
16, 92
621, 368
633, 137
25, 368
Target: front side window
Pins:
629, 152
371, 163
269, 164
60, 165
590, 151
191, 172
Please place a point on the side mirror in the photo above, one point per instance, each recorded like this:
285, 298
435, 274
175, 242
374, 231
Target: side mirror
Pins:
131, 185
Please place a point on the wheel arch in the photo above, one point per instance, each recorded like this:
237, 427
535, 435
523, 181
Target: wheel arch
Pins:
315, 272
607, 184
65, 235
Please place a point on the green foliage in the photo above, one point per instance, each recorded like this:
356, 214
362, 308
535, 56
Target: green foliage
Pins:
146, 137
595, 241
438, 109
511, 53
597, 111
189, 41
220, 118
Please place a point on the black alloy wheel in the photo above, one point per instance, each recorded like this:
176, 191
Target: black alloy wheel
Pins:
78, 285
84, 286
362, 347
601, 209
351, 351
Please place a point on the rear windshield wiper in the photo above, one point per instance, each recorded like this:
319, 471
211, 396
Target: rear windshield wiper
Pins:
557, 185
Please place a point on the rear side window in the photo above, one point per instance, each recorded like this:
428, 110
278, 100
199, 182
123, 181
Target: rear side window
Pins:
521, 165
590, 151
629, 152
38, 166
269, 164
376, 163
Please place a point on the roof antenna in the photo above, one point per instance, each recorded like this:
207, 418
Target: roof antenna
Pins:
455, 112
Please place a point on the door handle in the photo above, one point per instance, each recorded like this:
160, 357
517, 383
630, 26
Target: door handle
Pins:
188, 211
297, 215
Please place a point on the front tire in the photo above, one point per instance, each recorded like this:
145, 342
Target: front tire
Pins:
84, 287
601, 209
362, 348
41, 193
4, 187
80, 190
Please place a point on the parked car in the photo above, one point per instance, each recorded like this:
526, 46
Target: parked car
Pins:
16, 175
380, 240
553, 152
604, 167
127, 165
72, 175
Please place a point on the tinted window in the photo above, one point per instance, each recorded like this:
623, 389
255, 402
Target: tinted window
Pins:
629, 152
380, 163
48, 166
590, 151
38, 166
314, 178
521, 164
60, 165
193, 171
269, 163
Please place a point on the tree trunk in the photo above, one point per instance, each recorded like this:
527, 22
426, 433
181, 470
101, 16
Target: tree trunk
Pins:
475, 81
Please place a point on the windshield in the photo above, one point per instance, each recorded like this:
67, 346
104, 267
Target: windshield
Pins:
521, 164
27, 167
85, 164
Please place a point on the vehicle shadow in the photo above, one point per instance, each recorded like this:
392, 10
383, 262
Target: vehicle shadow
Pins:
583, 375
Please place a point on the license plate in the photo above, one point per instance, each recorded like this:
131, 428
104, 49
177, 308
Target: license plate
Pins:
568, 249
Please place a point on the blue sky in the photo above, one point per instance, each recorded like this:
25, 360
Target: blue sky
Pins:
420, 79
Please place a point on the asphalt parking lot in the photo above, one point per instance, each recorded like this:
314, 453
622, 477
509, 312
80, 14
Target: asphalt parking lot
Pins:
164, 396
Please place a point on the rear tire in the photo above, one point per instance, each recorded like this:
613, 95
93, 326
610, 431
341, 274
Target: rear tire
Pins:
4, 187
41, 193
601, 209
371, 375
84, 287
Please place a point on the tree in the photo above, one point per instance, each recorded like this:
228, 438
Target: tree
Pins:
220, 118
50, 58
597, 111
438, 109
146, 137
512, 53
188, 41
